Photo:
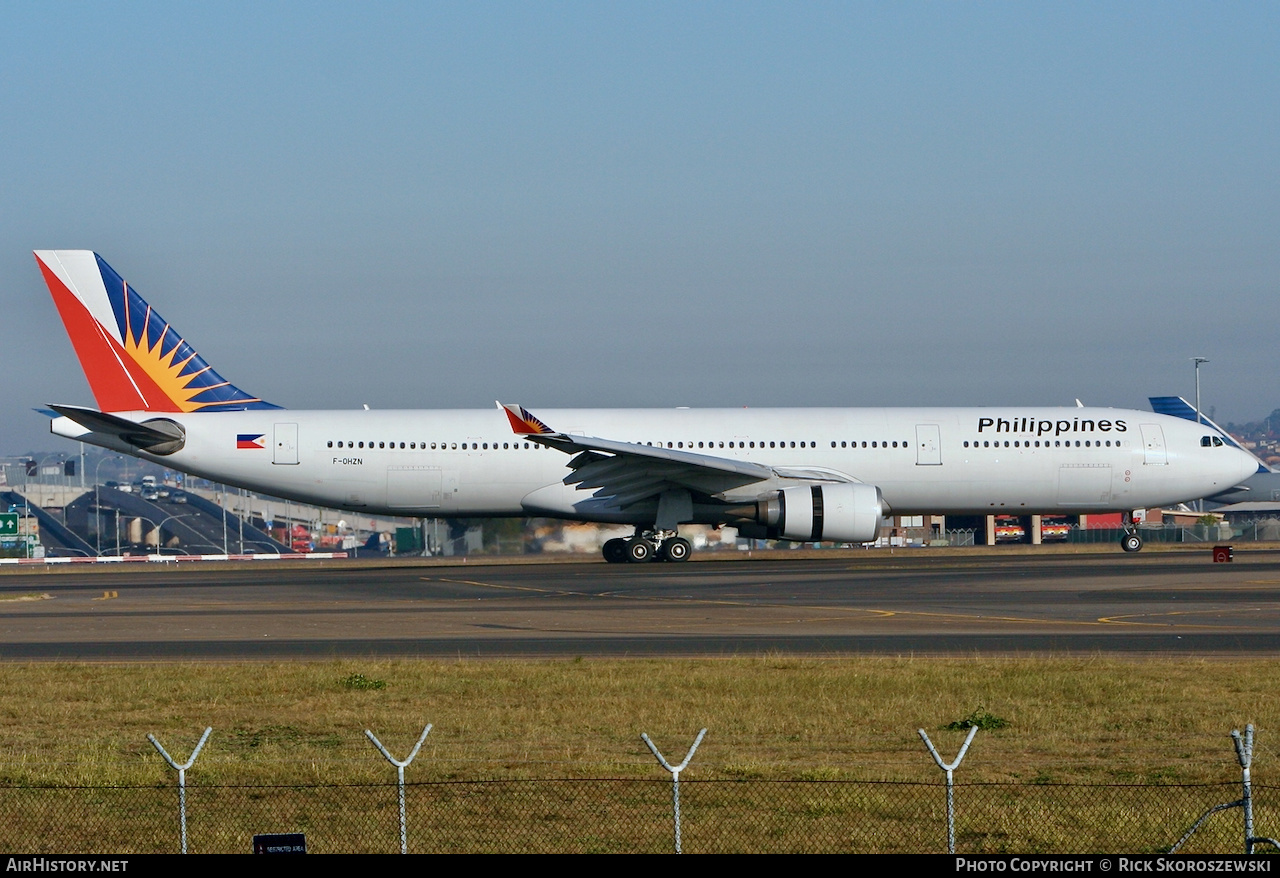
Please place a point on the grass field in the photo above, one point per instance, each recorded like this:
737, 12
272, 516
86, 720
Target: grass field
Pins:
520, 750
1068, 719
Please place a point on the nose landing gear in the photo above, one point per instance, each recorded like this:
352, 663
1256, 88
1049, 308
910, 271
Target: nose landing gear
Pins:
1131, 542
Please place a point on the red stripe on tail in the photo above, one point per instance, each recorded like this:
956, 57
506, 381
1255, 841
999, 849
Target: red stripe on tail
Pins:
116, 386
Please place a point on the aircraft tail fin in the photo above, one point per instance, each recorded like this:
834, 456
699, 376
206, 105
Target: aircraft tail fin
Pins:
133, 358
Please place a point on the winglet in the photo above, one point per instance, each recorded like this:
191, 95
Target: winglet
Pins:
523, 423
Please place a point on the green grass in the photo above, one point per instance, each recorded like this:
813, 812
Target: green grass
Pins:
520, 744
774, 716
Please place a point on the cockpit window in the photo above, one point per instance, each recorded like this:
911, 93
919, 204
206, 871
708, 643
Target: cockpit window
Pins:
1205, 442
1216, 441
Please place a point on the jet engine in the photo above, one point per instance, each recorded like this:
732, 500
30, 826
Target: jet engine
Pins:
841, 513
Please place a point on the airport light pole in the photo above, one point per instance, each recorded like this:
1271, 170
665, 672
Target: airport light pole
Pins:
160, 527
97, 503
1198, 361
1199, 418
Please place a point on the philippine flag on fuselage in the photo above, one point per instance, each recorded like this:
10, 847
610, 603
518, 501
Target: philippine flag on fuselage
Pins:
250, 440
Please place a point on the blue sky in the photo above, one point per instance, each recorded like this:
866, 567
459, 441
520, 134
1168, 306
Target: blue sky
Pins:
436, 205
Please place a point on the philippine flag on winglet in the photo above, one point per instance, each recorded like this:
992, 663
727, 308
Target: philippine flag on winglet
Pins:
250, 440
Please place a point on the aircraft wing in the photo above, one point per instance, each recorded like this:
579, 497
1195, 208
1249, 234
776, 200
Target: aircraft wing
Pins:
630, 472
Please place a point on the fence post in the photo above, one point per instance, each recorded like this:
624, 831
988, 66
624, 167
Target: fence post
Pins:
1244, 755
400, 767
949, 768
182, 778
675, 776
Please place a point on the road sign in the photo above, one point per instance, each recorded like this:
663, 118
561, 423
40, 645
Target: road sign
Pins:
8, 524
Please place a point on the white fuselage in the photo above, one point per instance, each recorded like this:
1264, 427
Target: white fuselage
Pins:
452, 463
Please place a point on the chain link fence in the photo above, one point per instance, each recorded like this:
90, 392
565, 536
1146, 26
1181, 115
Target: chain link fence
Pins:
633, 815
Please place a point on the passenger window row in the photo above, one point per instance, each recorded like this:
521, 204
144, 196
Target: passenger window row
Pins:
1057, 443
732, 444
435, 446
487, 446
873, 444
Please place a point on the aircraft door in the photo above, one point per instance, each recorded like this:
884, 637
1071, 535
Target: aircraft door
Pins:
285, 446
414, 487
928, 445
1153, 445
1084, 484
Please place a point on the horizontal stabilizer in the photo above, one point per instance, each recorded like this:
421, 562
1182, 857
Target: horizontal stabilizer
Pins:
157, 435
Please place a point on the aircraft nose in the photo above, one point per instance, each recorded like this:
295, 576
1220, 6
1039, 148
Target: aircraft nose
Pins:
1246, 463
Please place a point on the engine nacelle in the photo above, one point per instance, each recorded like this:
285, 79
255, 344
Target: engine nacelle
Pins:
841, 513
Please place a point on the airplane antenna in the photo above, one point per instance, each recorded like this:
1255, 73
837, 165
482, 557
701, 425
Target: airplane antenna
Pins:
366, 406
1079, 404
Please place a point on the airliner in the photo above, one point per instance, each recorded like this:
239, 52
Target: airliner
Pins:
799, 474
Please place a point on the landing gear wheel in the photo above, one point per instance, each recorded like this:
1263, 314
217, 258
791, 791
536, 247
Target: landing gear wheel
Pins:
1131, 542
639, 549
615, 551
676, 549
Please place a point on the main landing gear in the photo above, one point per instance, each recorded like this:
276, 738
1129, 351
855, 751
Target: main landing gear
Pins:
648, 545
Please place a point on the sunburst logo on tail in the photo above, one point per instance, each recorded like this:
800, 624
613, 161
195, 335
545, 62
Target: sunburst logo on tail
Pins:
133, 358
163, 368
177, 370
172, 364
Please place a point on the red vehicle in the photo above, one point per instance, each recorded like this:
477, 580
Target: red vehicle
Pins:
298, 538
1054, 530
1009, 530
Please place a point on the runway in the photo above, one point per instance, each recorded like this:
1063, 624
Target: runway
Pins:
905, 603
